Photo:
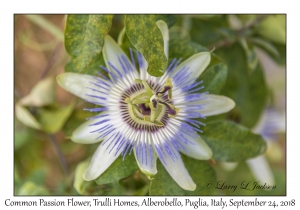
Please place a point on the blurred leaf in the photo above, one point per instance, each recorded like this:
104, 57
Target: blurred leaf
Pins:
22, 135
254, 99
266, 45
114, 189
177, 32
282, 52
200, 171
142, 191
208, 31
17, 177
232, 142
41, 94
46, 25
136, 184
79, 183
252, 59
29, 188
77, 118
273, 28
93, 69
248, 91
169, 19
118, 24
214, 78
204, 17
281, 49
52, 120
182, 48
37, 176
247, 18
118, 170
26, 39
25, 117
84, 38
147, 38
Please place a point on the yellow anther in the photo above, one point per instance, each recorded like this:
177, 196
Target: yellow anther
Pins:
168, 83
147, 87
158, 123
146, 118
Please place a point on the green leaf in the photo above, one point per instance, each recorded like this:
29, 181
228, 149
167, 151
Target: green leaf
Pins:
147, 38
182, 48
266, 45
200, 171
53, 119
169, 19
256, 92
208, 31
84, 38
23, 135
246, 18
248, 91
232, 142
118, 170
281, 57
273, 28
163, 183
29, 188
93, 69
214, 78
282, 54
252, 58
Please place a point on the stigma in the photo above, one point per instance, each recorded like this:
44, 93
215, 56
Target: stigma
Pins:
150, 106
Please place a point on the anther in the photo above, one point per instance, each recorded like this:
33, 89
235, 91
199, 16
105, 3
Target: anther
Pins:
128, 101
147, 87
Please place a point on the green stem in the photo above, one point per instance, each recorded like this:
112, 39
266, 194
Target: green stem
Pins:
227, 42
59, 154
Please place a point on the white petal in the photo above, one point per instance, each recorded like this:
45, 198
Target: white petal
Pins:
196, 65
261, 170
198, 149
177, 170
79, 85
216, 105
163, 27
146, 158
84, 133
102, 159
112, 52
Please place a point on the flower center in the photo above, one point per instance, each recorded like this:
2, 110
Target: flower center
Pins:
148, 105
